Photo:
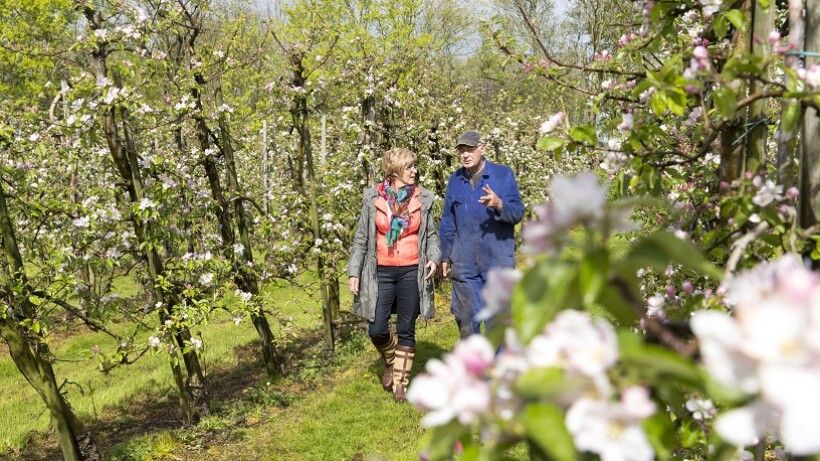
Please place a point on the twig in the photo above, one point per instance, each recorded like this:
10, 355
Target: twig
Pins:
741, 244
653, 326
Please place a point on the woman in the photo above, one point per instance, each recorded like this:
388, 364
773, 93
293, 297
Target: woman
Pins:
395, 254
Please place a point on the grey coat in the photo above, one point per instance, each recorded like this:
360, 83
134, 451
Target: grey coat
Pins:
362, 263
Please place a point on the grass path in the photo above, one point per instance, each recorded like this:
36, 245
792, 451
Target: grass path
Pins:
326, 408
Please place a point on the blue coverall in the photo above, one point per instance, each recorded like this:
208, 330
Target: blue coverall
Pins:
475, 238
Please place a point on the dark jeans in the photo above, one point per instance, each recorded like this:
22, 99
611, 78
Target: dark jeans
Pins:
399, 287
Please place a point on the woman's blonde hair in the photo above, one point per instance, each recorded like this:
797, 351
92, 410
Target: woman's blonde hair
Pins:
395, 161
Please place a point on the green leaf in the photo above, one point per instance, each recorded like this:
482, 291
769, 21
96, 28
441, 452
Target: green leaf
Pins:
657, 363
615, 301
585, 134
738, 19
593, 271
658, 103
661, 434
543, 382
726, 102
443, 440
550, 143
690, 433
662, 248
544, 290
721, 26
545, 426
676, 101
790, 115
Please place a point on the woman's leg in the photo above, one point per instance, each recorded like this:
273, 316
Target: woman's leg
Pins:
379, 328
408, 305
408, 310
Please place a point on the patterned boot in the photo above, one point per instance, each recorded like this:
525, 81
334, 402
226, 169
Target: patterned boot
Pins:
388, 353
401, 372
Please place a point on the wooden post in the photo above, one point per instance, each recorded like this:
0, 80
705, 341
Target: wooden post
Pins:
324, 140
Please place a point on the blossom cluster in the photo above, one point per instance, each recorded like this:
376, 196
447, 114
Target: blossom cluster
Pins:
769, 348
474, 385
578, 200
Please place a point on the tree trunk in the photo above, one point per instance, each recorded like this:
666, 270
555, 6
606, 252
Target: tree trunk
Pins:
244, 277
299, 113
30, 352
809, 164
762, 24
124, 153
732, 163
792, 111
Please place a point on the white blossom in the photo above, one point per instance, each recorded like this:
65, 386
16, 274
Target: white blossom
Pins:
701, 409
206, 279
146, 203
768, 193
612, 430
552, 123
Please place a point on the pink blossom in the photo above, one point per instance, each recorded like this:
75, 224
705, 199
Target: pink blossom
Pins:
773, 38
811, 75
455, 387
475, 353
627, 122
767, 193
577, 343
654, 306
770, 349
541, 234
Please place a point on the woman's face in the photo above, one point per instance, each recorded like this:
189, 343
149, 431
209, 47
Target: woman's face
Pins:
408, 176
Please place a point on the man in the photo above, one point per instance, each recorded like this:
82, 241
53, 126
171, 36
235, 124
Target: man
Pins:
482, 205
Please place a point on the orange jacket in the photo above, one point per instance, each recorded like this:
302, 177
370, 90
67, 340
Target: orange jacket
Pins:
405, 251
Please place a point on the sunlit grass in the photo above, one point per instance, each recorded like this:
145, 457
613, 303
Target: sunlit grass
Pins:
93, 394
326, 408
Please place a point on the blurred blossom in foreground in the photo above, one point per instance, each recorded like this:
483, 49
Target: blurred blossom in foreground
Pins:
613, 429
770, 348
455, 388
578, 200
474, 385
498, 291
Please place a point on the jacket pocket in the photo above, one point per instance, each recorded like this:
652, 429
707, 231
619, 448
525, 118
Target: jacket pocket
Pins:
459, 210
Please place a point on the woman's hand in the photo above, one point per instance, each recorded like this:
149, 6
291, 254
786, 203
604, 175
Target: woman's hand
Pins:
431, 267
353, 283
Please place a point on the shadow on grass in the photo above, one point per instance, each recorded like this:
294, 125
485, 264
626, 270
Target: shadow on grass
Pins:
148, 414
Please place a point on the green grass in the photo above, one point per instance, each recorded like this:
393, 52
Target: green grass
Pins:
95, 395
328, 407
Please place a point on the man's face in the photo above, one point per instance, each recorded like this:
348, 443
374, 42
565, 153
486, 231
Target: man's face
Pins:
470, 156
